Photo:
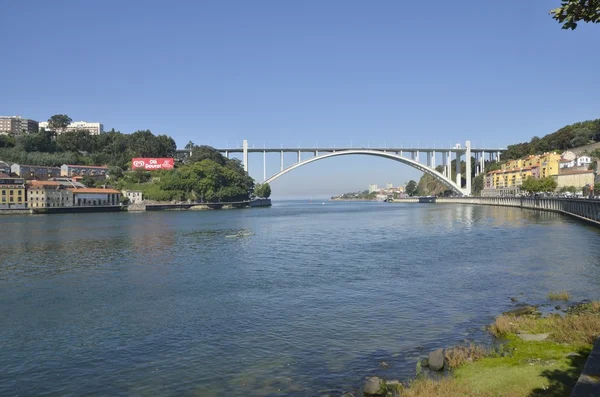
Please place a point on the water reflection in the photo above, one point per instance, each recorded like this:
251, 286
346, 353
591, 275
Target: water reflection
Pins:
164, 304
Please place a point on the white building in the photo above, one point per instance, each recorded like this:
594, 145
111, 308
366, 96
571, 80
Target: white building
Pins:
583, 160
389, 186
92, 128
373, 188
134, 196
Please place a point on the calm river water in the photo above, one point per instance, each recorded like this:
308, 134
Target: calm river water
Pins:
163, 304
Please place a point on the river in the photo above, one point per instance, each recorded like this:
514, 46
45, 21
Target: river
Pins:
163, 304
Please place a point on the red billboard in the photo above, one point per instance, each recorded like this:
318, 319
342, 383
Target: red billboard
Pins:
150, 164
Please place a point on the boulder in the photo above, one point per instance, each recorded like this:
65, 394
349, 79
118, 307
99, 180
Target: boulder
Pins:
394, 388
384, 365
436, 359
513, 299
348, 395
375, 386
558, 307
522, 310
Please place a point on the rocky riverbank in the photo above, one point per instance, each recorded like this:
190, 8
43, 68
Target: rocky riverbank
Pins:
538, 350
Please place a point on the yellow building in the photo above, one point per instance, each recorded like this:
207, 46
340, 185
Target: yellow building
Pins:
549, 164
12, 193
514, 172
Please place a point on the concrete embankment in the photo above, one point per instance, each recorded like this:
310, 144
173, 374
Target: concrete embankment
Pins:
583, 209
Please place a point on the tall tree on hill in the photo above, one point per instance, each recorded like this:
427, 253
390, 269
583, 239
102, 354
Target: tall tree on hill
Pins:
410, 188
59, 122
572, 11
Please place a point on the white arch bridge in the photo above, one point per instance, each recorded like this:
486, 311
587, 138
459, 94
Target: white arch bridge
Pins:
408, 156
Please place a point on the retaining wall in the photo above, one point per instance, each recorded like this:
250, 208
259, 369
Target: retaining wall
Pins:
583, 209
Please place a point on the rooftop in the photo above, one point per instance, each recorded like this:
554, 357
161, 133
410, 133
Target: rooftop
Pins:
94, 190
87, 166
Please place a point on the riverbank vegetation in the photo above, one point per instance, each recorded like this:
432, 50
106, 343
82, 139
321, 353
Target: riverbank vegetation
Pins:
80, 147
208, 176
537, 356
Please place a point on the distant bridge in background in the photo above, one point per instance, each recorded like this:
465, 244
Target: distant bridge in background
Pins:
423, 159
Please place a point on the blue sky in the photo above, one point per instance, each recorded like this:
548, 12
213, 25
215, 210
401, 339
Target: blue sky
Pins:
273, 72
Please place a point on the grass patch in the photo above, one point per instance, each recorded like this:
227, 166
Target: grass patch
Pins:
579, 328
522, 368
464, 354
558, 296
532, 369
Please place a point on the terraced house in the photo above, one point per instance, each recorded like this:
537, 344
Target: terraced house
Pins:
12, 192
48, 194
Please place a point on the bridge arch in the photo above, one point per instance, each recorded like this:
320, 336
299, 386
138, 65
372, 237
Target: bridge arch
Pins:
415, 164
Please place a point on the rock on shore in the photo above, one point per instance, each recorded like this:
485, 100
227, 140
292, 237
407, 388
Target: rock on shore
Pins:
436, 359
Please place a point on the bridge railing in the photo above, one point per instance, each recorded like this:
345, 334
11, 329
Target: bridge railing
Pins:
586, 209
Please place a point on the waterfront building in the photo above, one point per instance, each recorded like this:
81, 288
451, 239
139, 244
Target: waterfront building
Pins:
17, 125
92, 128
514, 172
134, 196
87, 197
373, 188
12, 192
34, 172
573, 177
84, 170
48, 194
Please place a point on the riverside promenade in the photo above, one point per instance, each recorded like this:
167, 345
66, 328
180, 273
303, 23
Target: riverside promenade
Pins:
587, 210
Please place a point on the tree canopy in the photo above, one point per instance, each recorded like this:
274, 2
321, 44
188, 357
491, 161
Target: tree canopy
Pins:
59, 122
572, 11
262, 190
410, 188
536, 185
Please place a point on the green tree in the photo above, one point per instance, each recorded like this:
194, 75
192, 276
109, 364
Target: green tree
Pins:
582, 136
531, 185
572, 11
547, 184
478, 184
410, 188
59, 122
88, 181
263, 190
190, 145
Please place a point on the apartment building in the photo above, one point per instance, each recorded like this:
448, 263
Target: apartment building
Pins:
92, 128
87, 197
17, 125
12, 192
34, 172
96, 172
48, 194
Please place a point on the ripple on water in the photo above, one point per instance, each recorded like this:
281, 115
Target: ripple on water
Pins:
163, 304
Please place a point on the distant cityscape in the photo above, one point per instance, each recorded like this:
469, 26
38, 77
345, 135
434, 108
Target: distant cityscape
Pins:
374, 192
17, 125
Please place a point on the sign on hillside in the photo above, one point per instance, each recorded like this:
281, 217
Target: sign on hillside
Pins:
150, 164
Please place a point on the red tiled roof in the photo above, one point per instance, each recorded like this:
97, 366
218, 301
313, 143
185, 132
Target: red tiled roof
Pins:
575, 172
44, 183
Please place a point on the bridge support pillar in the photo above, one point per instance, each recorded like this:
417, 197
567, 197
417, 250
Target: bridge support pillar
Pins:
245, 155
281, 161
457, 169
433, 159
482, 162
468, 170
264, 165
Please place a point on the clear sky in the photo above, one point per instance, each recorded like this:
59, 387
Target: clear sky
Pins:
281, 72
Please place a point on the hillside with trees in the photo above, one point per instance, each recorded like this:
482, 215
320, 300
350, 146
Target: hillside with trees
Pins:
205, 176
566, 138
